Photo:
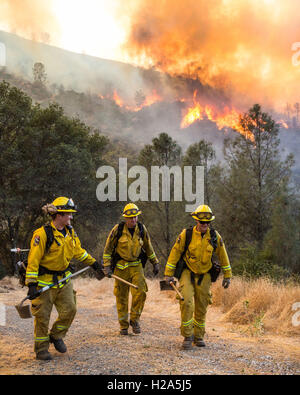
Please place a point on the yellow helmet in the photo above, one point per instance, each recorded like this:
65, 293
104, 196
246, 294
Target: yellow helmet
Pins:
203, 213
131, 210
64, 205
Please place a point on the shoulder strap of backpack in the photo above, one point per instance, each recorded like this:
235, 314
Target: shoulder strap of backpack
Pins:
213, 238
119, 231
141, 229
50, 237
188, 239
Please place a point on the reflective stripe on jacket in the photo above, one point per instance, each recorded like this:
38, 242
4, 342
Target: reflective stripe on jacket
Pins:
129, 247
58, 258
199, 253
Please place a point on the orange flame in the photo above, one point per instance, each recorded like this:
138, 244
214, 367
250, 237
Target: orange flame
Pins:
117, 99
283, 124
227, 118
149, 100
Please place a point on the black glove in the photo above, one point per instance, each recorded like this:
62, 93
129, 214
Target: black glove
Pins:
226, 282
96, 266
32, 291
169, 279
155, 269
98, 269
107, 271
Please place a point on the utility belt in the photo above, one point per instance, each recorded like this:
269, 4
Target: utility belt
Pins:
116, 258
55, 273
214, 272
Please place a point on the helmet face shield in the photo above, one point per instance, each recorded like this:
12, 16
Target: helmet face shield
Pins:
132, 212
69, 207
204, 216
203, 213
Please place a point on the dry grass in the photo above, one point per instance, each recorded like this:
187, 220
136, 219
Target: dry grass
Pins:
260, 304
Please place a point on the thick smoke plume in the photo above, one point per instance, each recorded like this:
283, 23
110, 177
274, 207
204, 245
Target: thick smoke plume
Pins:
241, 46
32, 19
241, 49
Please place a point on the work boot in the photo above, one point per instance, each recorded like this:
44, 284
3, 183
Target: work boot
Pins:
43, 355
187, 343
135, 326
199, 342
124, 332
58, 344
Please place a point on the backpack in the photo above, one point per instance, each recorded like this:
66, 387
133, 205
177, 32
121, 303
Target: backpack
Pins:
22, 265
116, 257
181, 264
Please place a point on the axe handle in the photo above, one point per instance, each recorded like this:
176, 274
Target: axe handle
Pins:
124, 281
178, 293
60, 281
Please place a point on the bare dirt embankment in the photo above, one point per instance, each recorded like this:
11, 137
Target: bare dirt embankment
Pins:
95, 346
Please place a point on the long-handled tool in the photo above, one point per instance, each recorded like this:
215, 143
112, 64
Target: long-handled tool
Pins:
101, 275
167, 286
124, 281
24, 311
18, 250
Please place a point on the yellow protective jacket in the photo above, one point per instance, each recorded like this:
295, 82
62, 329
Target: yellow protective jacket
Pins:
58, 258
128, 247
198, 255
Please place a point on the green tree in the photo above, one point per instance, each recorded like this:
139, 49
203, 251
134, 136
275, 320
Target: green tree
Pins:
255, 173
44, 154
39, 73
203, 154
281, 244
161, 215
139, 98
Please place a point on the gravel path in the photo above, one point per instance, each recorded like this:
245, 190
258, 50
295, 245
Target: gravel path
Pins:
95, 346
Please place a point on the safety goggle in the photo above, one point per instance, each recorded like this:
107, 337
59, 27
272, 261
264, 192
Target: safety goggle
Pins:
202, 216
69, 206
131, 211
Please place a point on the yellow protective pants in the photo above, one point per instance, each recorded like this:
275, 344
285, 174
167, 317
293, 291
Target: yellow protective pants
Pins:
196, 300
64, 301
135, 275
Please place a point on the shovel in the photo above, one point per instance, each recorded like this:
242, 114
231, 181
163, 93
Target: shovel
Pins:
25, 312
164, 286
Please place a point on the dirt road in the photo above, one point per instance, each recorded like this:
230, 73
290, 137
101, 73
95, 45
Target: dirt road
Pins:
95, 346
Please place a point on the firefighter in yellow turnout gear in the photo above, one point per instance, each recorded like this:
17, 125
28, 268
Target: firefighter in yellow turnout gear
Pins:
46, 266
126, 248
195, 280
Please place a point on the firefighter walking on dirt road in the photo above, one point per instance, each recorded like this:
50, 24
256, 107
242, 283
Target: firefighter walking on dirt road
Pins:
192, 261
127, 247
51, 250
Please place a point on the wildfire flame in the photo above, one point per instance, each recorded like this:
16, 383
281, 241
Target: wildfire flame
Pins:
283, 124
223, 118
226, 118
117, 99
148, 101
151, 99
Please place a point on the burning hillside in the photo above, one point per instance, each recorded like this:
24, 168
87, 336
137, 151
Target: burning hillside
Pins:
193, 109
215, 58
242, 47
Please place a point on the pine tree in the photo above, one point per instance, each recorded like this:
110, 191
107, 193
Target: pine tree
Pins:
255, 173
